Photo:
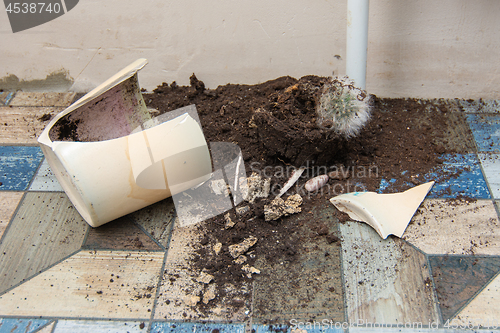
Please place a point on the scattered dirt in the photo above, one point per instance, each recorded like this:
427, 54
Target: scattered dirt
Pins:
274, 124
45, 117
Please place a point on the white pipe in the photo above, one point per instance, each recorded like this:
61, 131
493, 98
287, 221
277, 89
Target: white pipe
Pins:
357, 41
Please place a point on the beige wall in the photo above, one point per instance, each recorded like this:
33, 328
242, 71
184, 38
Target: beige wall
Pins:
417, 48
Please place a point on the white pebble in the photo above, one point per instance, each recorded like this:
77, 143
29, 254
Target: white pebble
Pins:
316, 183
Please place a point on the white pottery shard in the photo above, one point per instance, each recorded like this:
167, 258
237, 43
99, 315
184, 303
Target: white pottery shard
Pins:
388, 214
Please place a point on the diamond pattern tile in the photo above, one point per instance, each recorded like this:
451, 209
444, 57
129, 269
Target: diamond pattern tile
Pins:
386, 281
459, 278
491, 167
90, 284
486, 130
8, 204
45, 230
45, 180
455, 227
18, 165
458, 175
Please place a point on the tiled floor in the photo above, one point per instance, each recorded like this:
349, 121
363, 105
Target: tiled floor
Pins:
57, 274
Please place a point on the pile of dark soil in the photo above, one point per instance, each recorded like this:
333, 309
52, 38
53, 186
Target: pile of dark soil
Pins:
403, 141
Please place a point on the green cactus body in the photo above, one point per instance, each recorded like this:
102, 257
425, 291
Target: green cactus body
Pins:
343, 108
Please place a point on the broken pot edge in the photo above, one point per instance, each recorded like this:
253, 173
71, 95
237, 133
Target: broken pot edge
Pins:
387, 214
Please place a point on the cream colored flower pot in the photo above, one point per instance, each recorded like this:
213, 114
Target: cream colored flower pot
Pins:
112, 158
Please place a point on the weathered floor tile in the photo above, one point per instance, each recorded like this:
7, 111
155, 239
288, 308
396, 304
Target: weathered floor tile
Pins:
18, 166
46, 229
458, 278
24, 124
45, 180
458, 175
47, 328
166, 327
486, 130
157, 220
311, 326
90, 284
480, 106
310, 286
413, 328
12, 325
386, 281
455, 226
120, 234
8, 204
6, 97
180, 293
99, 326
260, 328
491, 168
483, 309
24, 98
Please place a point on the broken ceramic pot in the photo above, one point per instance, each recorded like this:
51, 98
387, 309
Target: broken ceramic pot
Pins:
111, 158
386, 213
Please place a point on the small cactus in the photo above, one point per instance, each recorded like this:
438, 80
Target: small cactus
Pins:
342, 107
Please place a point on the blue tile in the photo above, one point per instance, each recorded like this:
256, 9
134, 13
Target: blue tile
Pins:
6, 97
384, 184
8, 325
313, 326
18, 165
165, 327
486, 131
458, 175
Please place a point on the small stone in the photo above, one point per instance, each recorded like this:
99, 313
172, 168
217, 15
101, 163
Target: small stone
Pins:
204, 278
240, 260
250, 270
274, 211
242, 210
192, 300
238, 249
279, 207
254, 187
209, 294
217, 248
229, 223
292, 204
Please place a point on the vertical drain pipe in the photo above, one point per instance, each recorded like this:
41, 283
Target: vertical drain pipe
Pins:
357, 41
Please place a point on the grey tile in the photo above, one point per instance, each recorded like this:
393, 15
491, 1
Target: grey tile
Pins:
46, 229
310, 285
491, 168
386, 281
45, 180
